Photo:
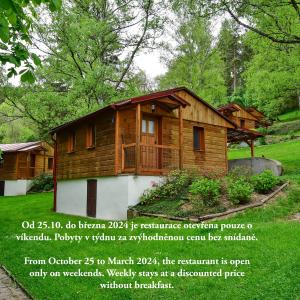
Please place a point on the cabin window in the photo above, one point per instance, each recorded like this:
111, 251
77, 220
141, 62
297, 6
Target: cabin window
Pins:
71, 142
199, 140
1, 163
144, 126
91, 136
148, 126
151, 127
242, 123
50, 163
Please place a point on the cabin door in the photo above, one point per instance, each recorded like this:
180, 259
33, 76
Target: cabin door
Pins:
150, 153
32, 165
2, 186
91, 198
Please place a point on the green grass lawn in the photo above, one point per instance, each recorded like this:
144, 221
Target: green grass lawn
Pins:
275, 257
290, 116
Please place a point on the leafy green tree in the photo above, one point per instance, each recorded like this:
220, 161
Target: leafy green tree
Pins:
16, 18
90, 48
197, 63
273, 78
269, 19
235, 53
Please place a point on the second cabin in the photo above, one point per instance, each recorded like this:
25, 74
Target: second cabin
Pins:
105, 160
239, 115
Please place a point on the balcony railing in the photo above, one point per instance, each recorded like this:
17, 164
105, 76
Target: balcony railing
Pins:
153, 158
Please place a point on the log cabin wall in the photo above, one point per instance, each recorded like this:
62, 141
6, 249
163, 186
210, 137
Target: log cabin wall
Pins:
8, 171
212, 159
248, 123
83, 162
242, 114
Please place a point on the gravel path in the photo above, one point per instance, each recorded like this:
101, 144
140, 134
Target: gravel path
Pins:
9, 290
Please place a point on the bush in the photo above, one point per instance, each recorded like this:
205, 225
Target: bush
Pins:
173, 187
44, 182
240, 172
264, 182
207, 190
239, 191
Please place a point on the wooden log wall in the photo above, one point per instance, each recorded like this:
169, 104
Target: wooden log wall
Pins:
8, 171
83, 162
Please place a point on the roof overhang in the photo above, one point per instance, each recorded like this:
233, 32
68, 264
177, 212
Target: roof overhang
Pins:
171, 94
242, 134
22, 147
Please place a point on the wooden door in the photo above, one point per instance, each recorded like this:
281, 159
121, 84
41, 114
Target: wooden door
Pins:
150, 138
2, 187
91, 198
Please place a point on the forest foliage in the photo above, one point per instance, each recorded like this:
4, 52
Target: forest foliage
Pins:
81, 55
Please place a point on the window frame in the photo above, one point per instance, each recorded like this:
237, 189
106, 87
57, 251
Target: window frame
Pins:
91, 136
71, 142
200, 131
52, 163
242, 123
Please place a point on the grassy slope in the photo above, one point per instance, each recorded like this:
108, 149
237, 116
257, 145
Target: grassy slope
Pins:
290, 116
275, 257
289, 123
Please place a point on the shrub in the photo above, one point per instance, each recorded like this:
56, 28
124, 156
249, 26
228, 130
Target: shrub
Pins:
208, 190
239, 191
240, 172
262, 140
174, 186
43, 182
264, 182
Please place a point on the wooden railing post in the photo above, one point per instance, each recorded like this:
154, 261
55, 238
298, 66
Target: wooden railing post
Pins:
180, 138
123, 158
252, 148
117, 142
17, 165
138, 139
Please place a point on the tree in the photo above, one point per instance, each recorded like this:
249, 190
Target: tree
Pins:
273, 77
197, 63
16, 19
275, 20
235, 53
90, 48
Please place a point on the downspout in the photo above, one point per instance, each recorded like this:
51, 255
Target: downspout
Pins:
53, 137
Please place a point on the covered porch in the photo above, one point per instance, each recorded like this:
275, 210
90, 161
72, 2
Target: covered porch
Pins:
30, 164
243, 135
149, 135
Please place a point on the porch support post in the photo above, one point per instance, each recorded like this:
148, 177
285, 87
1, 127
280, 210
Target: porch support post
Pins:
17, 165
138, 139
117, 127
180, 138
27, 165
252, 148
44, 166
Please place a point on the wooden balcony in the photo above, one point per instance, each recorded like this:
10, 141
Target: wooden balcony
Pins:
149, 159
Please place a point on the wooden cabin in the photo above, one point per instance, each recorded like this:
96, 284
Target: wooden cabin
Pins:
104, 161
239, 115
262, 121
246, 123
20, 163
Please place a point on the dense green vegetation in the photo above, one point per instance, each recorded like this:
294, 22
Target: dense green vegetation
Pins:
88, 52
271, 274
